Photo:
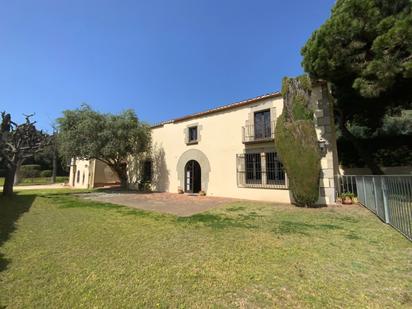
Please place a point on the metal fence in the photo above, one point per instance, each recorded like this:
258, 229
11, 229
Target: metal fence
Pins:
389, 197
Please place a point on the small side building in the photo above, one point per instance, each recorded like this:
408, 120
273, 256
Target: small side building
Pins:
87, 174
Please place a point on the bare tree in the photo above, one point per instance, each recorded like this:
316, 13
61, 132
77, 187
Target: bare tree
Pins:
17, 143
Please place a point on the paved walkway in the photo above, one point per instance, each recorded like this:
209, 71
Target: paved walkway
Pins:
171, 203
41, 187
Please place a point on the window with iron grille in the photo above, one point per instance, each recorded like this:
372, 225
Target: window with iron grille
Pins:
253, 168
275, 173
260, 170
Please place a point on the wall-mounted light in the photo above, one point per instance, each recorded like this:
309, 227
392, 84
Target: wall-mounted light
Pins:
323, 145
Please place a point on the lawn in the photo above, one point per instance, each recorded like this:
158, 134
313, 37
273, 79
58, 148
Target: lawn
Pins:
38, 180
58, 251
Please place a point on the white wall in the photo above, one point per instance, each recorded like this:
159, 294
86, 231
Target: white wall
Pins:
103, 174
80, 170
92, 173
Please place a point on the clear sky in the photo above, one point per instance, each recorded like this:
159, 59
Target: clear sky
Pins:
162, 58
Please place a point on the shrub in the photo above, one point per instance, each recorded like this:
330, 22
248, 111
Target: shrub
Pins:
46, 173
30, 171
347, 195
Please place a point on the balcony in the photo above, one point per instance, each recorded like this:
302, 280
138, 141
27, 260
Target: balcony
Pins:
258, 134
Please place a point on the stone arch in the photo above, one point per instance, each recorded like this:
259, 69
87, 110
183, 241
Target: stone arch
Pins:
200, 157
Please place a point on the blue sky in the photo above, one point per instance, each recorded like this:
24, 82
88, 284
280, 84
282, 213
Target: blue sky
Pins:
162, 58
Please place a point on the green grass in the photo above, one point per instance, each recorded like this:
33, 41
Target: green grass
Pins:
58, 251
38, 181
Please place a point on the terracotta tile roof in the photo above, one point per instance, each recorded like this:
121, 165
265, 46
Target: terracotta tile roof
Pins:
219, 109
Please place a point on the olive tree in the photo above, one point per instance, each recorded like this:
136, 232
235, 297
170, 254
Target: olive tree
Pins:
87, 134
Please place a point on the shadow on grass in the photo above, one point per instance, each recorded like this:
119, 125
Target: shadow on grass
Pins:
73, 201
236, 208
11, 209
348, 219
290, 227
215, 221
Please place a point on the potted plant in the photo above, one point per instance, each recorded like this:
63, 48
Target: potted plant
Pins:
202, 193
347, 198
180, 190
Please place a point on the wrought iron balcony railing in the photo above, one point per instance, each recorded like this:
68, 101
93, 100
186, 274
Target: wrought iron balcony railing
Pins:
258, 133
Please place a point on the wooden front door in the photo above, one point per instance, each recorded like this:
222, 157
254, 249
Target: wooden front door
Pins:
193, 180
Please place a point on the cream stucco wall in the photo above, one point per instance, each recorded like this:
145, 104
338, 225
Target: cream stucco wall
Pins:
80, 173
86, 174
103, 174
220, 140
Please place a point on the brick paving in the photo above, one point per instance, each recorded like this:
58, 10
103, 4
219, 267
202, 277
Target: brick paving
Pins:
171, 203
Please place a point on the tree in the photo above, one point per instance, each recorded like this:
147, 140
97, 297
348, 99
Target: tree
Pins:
296, 141
18, 142
364, 50
112, 139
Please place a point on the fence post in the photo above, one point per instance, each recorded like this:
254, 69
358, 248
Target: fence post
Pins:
364, 191
374, 195
337, 187
385, 200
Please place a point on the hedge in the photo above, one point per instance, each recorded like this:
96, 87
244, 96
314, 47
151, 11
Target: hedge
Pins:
30, 171
46, 173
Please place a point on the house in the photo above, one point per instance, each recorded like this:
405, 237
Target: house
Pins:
229, 151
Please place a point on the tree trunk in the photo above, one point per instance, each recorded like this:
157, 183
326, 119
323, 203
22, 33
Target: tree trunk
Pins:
9, 181
362, 152
121, 170
17, 173
54, 173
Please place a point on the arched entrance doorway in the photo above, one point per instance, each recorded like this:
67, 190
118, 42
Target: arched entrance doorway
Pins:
193, 177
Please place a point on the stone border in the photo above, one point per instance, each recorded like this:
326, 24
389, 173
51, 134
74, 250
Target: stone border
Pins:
200, 157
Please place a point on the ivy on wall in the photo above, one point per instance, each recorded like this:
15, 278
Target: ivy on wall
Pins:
296, 141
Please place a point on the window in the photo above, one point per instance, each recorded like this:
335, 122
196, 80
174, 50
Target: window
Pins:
253, 168
260, 170
78, 176
274, 169
192, 134
84, 176
262, 125
147, 171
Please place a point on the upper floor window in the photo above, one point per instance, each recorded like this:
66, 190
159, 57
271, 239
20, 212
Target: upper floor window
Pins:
192, 134
262, 124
